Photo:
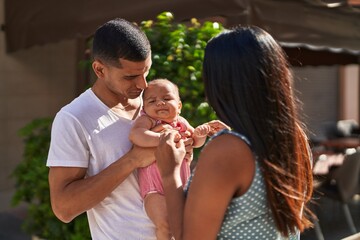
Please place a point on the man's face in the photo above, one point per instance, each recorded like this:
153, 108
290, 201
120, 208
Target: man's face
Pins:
128, 80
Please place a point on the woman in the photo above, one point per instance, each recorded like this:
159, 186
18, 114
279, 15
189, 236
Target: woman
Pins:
251, 182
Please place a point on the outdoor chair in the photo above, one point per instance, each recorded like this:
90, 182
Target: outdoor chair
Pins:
342, 183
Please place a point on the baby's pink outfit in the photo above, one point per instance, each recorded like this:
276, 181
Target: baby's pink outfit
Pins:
150, 178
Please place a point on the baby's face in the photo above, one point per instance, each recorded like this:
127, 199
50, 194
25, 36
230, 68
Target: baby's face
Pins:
162, 102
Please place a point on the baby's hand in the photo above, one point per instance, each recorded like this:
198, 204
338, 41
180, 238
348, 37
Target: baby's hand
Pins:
186, 134
202, 130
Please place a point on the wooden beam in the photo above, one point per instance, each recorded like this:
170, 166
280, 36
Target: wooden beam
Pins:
299, 56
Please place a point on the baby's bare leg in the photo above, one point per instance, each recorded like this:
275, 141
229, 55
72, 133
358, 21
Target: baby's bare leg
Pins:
155, 207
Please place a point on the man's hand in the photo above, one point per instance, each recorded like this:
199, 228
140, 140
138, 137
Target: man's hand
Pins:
142, 156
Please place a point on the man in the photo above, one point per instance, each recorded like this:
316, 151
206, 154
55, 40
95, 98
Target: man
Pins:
92, 162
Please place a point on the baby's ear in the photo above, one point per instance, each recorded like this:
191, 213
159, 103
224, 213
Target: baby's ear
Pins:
179, 107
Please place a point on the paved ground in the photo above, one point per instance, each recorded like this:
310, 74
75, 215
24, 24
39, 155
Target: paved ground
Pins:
10, 224
332, 222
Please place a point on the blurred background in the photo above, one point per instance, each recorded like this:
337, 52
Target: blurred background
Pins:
44, 57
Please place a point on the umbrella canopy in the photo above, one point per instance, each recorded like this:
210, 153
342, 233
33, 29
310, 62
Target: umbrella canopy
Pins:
296, 24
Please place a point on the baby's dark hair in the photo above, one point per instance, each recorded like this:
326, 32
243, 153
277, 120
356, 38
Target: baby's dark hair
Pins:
164, 80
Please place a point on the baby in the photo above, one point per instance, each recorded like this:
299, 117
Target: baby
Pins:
161, 111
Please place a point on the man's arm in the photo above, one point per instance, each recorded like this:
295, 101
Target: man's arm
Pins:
72, 194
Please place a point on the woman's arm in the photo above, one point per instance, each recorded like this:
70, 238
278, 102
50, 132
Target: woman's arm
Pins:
170, 154
225, 169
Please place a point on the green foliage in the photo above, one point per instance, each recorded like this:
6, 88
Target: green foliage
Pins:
178, 51
32, 187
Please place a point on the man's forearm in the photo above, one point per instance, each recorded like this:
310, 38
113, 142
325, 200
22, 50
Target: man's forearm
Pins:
72, 194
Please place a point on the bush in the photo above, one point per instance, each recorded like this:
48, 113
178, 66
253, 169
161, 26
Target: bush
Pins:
32, 187
177, 51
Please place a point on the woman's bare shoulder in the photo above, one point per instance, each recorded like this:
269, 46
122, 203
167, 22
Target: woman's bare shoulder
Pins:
232, 159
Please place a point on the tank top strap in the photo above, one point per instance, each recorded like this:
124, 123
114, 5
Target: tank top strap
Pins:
227, 131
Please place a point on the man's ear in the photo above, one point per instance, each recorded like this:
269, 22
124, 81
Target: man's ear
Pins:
98, 68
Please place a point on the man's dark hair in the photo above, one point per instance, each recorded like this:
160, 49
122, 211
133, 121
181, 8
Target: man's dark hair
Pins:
119, 38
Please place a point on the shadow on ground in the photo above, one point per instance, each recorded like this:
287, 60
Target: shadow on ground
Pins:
10, 225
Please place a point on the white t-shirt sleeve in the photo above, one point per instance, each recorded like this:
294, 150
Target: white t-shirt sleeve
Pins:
68, 145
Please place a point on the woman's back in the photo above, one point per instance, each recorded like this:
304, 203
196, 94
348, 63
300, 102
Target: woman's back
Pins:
249, 216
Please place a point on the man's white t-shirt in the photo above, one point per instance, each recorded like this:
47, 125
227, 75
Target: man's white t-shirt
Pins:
87, 134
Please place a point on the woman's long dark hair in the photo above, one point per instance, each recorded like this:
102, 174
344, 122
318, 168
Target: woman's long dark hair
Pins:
249, 85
